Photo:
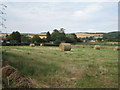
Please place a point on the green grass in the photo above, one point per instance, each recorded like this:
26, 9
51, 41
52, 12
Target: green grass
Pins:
98, 43
78, 68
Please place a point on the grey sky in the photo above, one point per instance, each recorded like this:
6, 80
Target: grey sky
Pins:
36, 17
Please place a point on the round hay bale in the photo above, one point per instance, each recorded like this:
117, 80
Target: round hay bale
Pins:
97, 47
20, 80
41, 44
65, 46
32, 45
117, 48
7, 70
15, 79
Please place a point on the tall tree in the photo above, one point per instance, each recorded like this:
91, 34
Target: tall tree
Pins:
48, 36
58, 36
15, 38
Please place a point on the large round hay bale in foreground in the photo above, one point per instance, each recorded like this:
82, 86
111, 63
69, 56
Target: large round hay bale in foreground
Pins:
97, 47
32, 45
15, 79
7, 70
117, 48
65, 46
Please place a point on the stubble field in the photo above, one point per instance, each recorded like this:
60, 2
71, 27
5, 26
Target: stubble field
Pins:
49, 67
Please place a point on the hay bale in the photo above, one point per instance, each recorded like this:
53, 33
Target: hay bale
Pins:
117, 48
7, 70
32, 45
97, 47
20, 80
41, 44
15, 79
65, 46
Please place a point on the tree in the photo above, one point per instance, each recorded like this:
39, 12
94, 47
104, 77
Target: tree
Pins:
112, 36
71, 38
43, 40
54, 34
36, 39
15, 38
61, 30
79, 39
25, 39
48, 37
58, 36
99, 39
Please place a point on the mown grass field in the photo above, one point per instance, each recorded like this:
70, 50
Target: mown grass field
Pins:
49, 67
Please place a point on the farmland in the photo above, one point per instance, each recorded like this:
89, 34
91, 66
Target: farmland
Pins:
49, 67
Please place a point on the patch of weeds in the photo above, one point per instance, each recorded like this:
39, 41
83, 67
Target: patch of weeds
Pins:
28, 53
84, 60
62, 60
85, 81
55, 53
40, 52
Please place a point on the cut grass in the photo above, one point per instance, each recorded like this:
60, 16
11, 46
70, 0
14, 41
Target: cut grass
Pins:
80, 67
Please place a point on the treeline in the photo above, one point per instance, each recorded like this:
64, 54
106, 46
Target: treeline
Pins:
112, 36
56, 37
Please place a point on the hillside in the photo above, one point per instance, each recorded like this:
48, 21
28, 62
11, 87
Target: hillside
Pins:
113, 36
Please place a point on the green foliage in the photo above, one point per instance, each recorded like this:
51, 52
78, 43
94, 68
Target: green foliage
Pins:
48, 37
57, 41
36, 39
112, 36
79, 40
58, 36
43, 40
71, 38
14, 38
99, 39
25, 39
88, 38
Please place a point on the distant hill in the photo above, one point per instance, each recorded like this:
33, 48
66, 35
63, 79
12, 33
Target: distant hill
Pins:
113, 36
92, 32
84, 35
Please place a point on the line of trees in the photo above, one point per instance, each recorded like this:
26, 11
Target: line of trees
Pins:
56, 37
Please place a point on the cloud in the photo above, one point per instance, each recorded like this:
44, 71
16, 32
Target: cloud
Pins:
60, 0
88, 13
74, 17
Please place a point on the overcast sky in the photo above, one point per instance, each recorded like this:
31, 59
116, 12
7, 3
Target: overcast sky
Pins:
36, 17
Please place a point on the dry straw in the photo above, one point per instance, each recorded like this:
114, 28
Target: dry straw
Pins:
41, 44
32, 45
65, 46
97, 47
13, 76
117, 48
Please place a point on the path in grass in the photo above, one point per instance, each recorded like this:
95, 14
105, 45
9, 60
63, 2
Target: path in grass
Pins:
50, 67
